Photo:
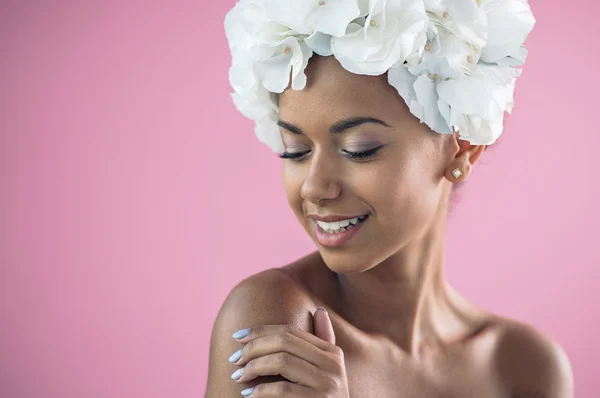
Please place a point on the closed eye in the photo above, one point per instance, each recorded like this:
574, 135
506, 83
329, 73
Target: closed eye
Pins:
364, 154
287, 155
351, 155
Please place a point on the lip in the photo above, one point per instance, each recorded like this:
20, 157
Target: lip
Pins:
332, 218
339, 239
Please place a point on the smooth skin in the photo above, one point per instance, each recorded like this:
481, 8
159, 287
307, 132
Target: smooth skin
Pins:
395, 327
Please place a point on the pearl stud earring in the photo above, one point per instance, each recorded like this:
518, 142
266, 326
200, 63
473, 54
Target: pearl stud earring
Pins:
456, 173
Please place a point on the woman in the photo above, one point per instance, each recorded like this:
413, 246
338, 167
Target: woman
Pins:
369, 170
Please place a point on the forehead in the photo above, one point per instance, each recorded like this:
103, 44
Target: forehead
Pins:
334, 92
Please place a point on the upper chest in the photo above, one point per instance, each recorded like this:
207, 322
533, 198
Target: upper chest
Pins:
376, 370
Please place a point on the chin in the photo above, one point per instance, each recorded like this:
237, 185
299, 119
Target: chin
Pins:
346, 261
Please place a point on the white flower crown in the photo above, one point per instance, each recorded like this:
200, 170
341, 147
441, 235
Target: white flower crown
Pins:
452, 61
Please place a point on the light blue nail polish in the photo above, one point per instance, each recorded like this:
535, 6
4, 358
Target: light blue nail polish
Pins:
236, 356
237, 374
240, 334
247, 391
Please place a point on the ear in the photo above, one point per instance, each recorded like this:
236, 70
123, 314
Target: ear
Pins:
465, 157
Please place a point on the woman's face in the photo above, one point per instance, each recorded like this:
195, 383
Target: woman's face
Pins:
401, 186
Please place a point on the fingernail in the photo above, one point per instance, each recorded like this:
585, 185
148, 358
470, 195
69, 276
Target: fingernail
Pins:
235, 356
247, 391
324, 309
240, 334
237, 374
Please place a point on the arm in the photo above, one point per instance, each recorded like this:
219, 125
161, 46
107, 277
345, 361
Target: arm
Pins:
533, 365
269, 297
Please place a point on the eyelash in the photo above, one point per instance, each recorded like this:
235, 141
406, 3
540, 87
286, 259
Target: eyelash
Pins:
351, 155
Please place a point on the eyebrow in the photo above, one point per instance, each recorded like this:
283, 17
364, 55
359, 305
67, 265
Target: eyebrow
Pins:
337, 127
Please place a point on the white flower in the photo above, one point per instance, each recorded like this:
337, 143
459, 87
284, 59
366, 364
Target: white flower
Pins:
456, 34
248, 24
446, 55
251, 98
476, 105
256, 103
275, 61
463, 18
510, 22
306, 16
276, 49
452, 61
267, 132
391, 32
420, 94
320, 43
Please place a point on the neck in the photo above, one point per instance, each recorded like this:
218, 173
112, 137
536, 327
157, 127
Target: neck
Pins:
405, 298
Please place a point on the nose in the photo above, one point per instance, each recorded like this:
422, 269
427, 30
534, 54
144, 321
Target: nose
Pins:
322, 181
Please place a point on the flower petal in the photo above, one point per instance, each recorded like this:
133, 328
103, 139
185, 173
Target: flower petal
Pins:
420, 94
461, 17
427, 96
304, 17
273, 64
510, 22
267, 132
477, 103
403, 81
274, 73
447, 55
392, 31
320, 43
299, 64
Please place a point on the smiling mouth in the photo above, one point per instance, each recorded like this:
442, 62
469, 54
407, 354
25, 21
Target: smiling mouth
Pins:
337, 227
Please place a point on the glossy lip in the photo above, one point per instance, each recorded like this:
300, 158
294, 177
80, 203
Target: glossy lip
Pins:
339, 239
333, 218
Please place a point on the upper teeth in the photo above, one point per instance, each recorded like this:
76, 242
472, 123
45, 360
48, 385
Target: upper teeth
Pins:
332, 226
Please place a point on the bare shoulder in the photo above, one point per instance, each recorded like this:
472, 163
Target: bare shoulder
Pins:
532, 364
268, 297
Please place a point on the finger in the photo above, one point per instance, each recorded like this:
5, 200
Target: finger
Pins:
291, 367
280, 389
264, 330
323, 328
292, 344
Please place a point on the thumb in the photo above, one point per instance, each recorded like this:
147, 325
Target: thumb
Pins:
323, 326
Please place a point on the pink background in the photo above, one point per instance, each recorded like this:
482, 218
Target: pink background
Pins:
134, 197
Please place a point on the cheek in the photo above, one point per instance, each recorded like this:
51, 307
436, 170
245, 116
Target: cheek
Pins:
292, 184
407, 195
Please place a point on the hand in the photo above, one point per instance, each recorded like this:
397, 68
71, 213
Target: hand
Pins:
313, 364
